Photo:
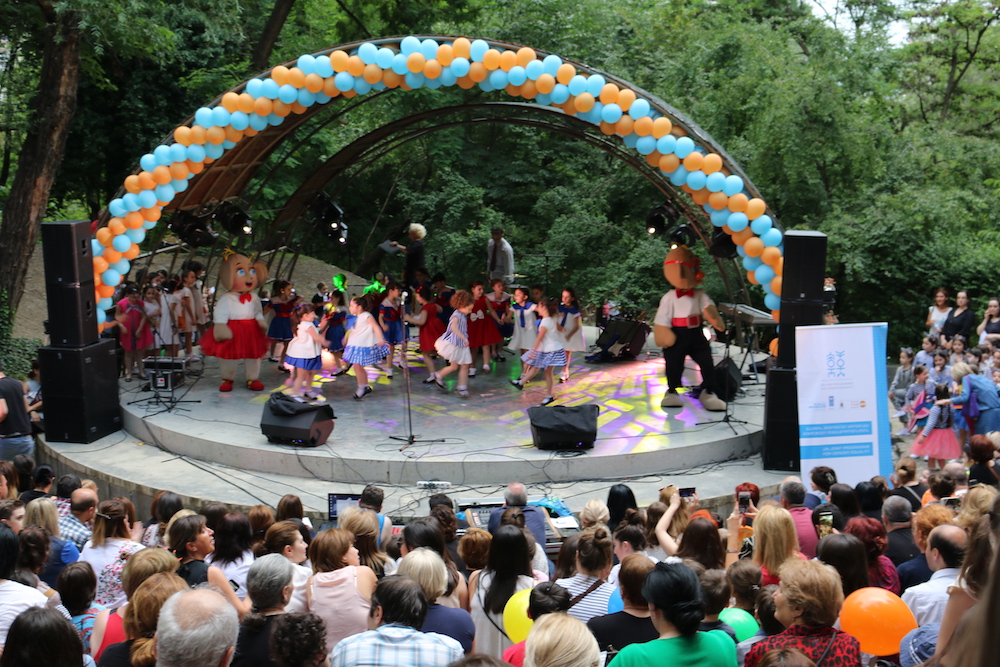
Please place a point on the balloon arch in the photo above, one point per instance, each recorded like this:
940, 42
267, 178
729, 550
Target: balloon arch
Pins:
215, 153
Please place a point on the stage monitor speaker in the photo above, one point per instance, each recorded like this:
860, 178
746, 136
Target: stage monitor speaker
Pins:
72, 314
781, 421
801, 289
728, 378
562, 427
306, 429
66, 252
623, 338
80, 391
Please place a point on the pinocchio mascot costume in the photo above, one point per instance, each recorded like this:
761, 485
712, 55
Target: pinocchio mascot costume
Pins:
678, 328
239, 326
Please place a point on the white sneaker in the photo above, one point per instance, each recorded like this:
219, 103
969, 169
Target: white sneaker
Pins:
898, 413
472, 372
388, 372
486, 368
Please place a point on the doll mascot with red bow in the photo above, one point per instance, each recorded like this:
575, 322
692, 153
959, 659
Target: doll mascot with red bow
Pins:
678, 328
238, 332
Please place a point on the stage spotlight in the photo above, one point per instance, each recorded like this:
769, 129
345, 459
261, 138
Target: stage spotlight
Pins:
329, 214
233, 219
683, 235
723, 245
192, 230
660, 218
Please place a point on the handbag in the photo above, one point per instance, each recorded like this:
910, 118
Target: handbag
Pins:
971, 408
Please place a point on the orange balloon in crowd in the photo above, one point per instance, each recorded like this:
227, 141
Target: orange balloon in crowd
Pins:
198, 133
670, 162
770, 255
466, 82
718, 200
445, 54
753, 247
776, 285
245, 103
512, 90
150, 214
338, 59
391, 79
738, 203
100, 264
356, 66
779, 267
350, 94
711, 164
230, 101
478, 72
569, 106
508, 59
462, 48
608, 128
235, 135
584, 102
693, 161
609, 93
297, 77
132, 252
373, 73
330, 86
565, 73
877, 618
643, 126
132, 184
525, 55
625, 99
545, 83
773, 345
215, 135
679, 131
662, 127
250, 132
432, 70
752, 277
145, 180
491, 59
727, 230
687, 188
133, 220
743, 236
755, 208
314, 82
280, 75
182, 135
104, 236
625, 125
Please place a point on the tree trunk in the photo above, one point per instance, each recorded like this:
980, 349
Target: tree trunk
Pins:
261, 57
40, 156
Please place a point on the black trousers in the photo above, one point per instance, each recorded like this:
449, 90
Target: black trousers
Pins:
690, 343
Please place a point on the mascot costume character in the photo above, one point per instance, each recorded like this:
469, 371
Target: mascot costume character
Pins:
238, 332
678, 328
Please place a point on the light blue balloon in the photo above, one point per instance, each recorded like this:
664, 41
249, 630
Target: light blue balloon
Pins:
179, 184
147, 199
272, 119
544, 99
432, 84
577, 85
429, 48
162, 155
534, 69
498, 79
135, 236
615, 602
551, 64
478, 50
105, 304
560, 93
707, 208
323, 98
630, 140
384, 57
148, 162
772, 237
121, 266
684, 147
148, 225
741, 251
131, 202
368, 53
398, 65
323, 66
415, 79
111, 277
666, 144
362, 87
203, 117
773, 302
764, 274
343, 82
164, 192
239, 120
307, 63
645, 145
269, 89
761, 225
305, 98
486, 86
594, 115
287, 93
715, 182
738, 221
253, 87
220, 116
410, 45
178, 152
196, 152
517, 75
719, 218
227, 144
750, 263
679, 177
95, 247
696, 180
460, 66
611, 113
639, 109
595, 84
121, 243
447, 77
734, 184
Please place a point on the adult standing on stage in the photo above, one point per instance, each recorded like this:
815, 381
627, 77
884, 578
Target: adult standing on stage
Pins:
414, 252
499, 256
960, 319
15, 423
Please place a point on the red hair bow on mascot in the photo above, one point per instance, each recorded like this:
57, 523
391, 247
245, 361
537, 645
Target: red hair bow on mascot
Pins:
678, 328
239, 327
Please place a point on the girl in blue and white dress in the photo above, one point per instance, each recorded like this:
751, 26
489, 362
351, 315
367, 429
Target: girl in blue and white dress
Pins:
392, 323
303, 353
334, 327
547, 352
571, 326
365, 344
523, 316
453, 345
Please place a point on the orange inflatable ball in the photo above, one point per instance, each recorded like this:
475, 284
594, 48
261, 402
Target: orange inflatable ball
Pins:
104, 236
195, 168
250, 132
776, 285
478, 72
625, 99
281, 110
314, 82
770, 255
432, 70
338, 59
609, 94
529, 90
280, 75
755, 208
711, 164
215, 135
198, 135
161, 174
718, 200
132, 184
145, 180
150, 214
752, 277
182, 135
132, 252
773, 346
565, 73
625, 125
236, 135
491, 59
445, 54
297, 77
669, 163
100, 264
700, 197
230, 102
245, 103
112, 255
584, 102
105, 291
687, 188
356, 66
508, 59
178, 171
877, 618
133, 220
569, 106
662, 127
753, 247
609, 129
779, 267
727, 230
545, 83
739, 238
653, 159
462, 47
693, 161
117, 225
330, 87
512, 90
373, 73
525, 55
738, 203
643, 126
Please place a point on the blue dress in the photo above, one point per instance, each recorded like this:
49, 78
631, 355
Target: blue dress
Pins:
393, 324
281, 326
335, 330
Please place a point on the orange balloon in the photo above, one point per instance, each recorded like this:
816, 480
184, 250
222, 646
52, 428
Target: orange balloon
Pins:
132, 184
727, 230
105, 292
373, 73
216, 135
198, 135
133, 220
755, 208
700, 197
608, 128
132, 252
263, 106
491, 59
462, 47
100, 264
280, 75
752, 277
250, 132
339, 61
779, 266
770, 255
117, 225
297, 108
182, 135
738, 202
466, 82
565, 73
150, 214
230, 101
236, 135
525, 55
104, 236
753, 247
569, 106
693, 161
297, 77
687, 188
445, 54
529, 90
776, 285
679, 131
391, 79
356, 66
643, 126
179, 170
718, 200
669, 163
661, 127
653, 159
350, 94
584, 102
609, 93
314, 82
330, 87
478, 72
625, 125
877, 618
245, 103
432, 70
112, 255
625, 99
145, 180
508, 59
739, 238
712, 163
545, 83
512, 90
161, 174
776, 316
281, 110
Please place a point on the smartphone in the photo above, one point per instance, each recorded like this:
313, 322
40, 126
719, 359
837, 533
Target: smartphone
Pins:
744, 500
954, 503
687, 493
825, 524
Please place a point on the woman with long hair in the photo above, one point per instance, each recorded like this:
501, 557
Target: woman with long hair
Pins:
109, 547
42, 636
702, 543
426, 532
775, 541
284, 538
141, 615
846, 554
654, 513
620, 499
514, 516
42, 512
629, 538
165, 505
507, 572
261, 518
192, 541
340, 589
844, 497
448, 522
234, 550
881, 571
363, 524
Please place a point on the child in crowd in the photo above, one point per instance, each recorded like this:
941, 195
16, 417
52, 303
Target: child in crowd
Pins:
571, 326
941, 372
919, 398
430, 326
392, 325
957, 350
524, 320
443, 296
365, 344
483, 334
546, 353
303, 352
152, 303
499, 301
172, 300
281, 330
937, 440
454, 344
901, 381
136, 336
334, 327
925, 357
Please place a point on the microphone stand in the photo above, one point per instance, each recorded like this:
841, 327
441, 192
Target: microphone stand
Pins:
728, 418
409, 438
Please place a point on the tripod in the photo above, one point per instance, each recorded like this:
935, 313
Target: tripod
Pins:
409, 438
728, 418
157, 398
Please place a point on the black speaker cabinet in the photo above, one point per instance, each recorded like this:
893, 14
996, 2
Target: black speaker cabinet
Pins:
801, 289
562, 427
72, 314
728, 379
781, 421
80, 391
623, 338
306, 429
66, 253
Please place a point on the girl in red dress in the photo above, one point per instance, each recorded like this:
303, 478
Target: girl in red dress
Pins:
483, 333
431, 326
499, 300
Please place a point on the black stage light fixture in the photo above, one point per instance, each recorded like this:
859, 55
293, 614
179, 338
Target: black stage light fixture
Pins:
723, 245
192, 230
233, 219
330, 215
661, 218
682, 235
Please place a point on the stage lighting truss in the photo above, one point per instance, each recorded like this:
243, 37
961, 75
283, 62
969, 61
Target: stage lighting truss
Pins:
661, 218
330, 216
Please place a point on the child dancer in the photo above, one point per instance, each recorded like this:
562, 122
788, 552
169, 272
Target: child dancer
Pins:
365, 344
483, 334
303, 353
443, 293
136, 335
280, 331
940, 444
430, 325
334, 327
524, 320
392, 325
547, 352
499, 301
571, 326
454, 344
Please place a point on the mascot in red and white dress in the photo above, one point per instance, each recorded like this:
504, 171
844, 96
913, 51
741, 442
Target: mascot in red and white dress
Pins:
677, 328
238, 332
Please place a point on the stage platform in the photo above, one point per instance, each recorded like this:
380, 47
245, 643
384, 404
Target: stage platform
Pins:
485, 439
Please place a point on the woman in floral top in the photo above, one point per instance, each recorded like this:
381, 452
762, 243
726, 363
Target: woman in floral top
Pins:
109, 547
